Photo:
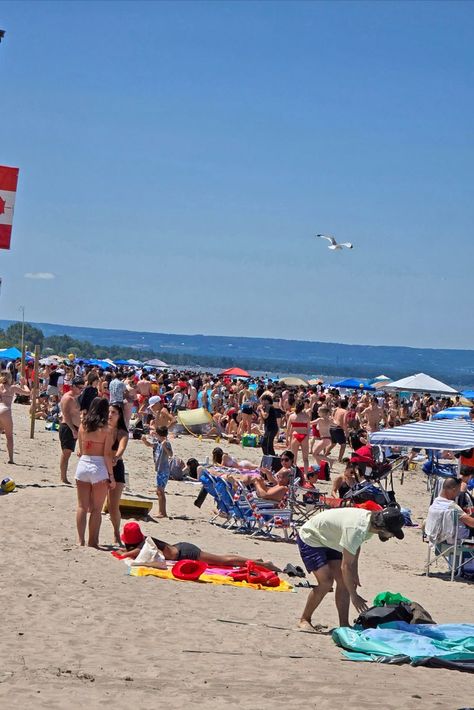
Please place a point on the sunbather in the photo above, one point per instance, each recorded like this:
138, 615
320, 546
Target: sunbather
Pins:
133, 540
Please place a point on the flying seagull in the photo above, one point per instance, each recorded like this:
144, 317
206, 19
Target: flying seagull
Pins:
334, 245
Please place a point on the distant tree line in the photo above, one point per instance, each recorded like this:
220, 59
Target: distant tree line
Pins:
64, 344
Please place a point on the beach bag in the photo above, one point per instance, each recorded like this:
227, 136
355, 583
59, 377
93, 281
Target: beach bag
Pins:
249, 440
150, 556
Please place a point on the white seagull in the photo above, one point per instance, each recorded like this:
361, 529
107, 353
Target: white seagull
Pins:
334, 245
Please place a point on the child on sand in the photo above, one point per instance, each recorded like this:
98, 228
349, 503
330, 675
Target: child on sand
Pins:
162, 453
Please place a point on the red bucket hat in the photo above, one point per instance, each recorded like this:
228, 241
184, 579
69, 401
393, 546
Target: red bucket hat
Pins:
131, 534
188, 569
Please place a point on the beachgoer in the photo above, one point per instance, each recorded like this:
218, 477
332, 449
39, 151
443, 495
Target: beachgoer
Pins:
69, 426
298, 433
133, 540
338, 432
94, 473
329, 545
346, 481
117, 388
90, 391
373, 414
8, 390
162, 452
119, 430
268, 413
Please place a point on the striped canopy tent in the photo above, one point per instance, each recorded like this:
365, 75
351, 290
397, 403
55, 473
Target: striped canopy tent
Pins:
420, 383
453, 435
453, 413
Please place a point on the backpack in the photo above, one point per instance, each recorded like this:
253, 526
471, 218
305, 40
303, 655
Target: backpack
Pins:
377, 615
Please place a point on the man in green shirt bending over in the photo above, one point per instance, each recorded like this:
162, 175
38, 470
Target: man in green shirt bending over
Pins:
329, 545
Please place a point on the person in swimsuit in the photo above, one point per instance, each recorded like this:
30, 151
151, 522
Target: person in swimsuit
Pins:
268, 413
345, 481
7, 393
94, 473
297, 434
120, 437
323, 424
133, 540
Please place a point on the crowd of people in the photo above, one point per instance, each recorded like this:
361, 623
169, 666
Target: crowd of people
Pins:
97, 411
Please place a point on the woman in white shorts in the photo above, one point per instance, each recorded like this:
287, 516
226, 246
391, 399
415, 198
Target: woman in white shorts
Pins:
94, 473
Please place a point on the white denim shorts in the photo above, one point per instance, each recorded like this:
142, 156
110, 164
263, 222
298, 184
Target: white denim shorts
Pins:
91, 469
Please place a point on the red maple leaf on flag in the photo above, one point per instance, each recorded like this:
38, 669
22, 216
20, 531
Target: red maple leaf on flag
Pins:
2, 205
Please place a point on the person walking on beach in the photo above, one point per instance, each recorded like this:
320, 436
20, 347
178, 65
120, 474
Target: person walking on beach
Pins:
162, 453
338, 432
69, 426
94, 473
8, 390
329, 545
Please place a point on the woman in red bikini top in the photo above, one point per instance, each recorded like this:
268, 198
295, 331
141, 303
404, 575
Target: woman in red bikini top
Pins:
297, 434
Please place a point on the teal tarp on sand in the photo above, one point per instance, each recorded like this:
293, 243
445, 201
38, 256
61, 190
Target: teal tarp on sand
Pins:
451, 645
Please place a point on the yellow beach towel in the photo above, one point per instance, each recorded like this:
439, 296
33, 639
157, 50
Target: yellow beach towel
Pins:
208, 578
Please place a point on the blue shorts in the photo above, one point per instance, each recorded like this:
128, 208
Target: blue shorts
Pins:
162, 479
316, 557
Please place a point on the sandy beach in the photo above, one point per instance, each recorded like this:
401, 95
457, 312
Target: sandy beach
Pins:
78, 631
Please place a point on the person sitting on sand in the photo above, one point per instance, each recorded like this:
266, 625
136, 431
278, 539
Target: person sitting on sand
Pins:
133, 540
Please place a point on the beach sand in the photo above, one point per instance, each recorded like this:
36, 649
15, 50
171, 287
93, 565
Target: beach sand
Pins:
78, 632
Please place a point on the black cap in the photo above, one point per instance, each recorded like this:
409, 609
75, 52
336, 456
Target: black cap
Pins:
394, 521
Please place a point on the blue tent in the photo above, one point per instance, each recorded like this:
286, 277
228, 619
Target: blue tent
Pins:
468, 394
453, 413
121, 362
10, 354
353, 384
100, 363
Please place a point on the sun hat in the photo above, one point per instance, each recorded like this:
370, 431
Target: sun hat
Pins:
131, 534
189, 570
154, 400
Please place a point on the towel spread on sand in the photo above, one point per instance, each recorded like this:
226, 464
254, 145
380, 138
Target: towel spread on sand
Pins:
208, 578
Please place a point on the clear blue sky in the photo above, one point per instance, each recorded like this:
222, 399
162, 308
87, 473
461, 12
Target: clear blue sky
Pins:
176, 159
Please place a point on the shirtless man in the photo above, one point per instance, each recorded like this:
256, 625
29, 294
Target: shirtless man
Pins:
69, 427
339, 430
373, 415
323, 424
162, 416
143, 387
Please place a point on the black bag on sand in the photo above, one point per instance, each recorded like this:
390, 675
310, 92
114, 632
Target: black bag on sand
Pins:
377, 615
412, 613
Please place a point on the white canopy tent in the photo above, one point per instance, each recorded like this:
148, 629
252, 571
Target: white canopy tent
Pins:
420, 383
452, 435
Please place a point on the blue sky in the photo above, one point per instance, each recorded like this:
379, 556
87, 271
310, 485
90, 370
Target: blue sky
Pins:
176, 159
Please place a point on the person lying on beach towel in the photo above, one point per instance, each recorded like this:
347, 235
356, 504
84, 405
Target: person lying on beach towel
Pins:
133, 540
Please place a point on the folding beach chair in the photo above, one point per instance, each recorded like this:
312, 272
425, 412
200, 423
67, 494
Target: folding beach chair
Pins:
455, 550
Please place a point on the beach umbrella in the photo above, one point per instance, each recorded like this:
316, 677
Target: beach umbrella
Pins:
420, 383
453, 413
234, 372
10, 354
293, 381
454, 435
314, 381
468, 394
156, 363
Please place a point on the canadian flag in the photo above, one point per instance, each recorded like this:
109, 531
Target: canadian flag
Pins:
8, 183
